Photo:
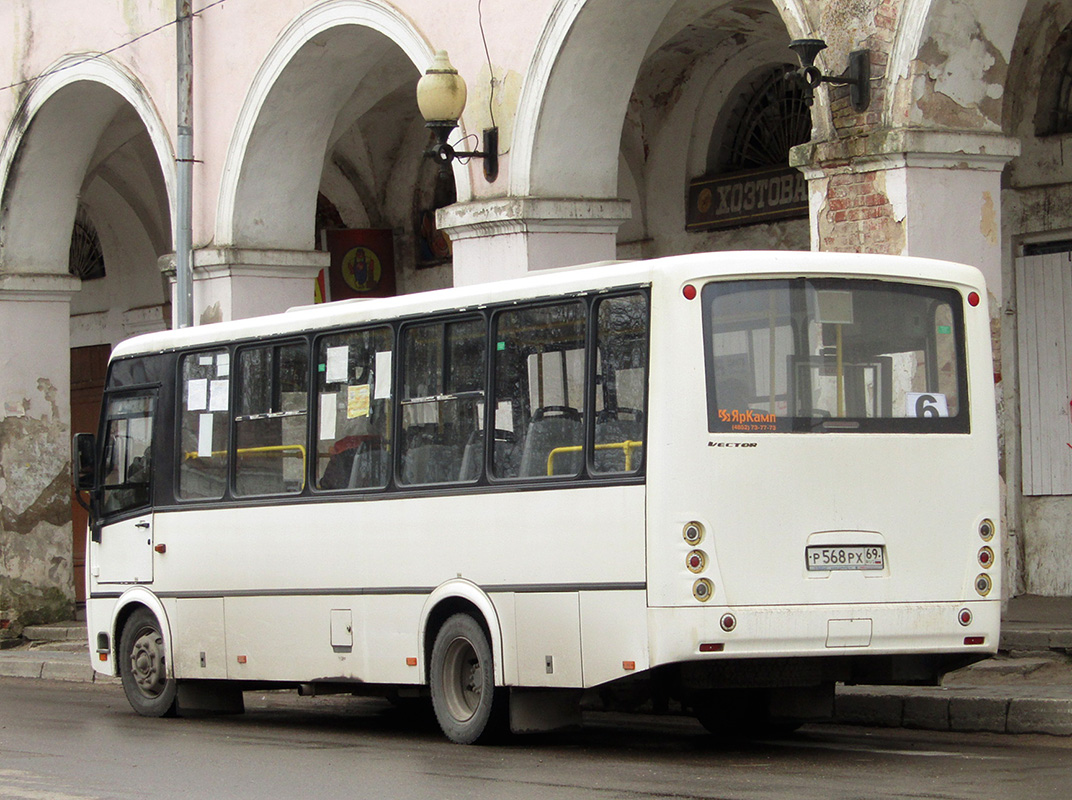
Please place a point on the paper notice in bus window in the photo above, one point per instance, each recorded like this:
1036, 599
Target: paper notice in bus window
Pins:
382, 389
223, 365
504, 415
217, 395
327, 416
197, 395
204, 436
357, 401
204, 361
926, 404
337, 359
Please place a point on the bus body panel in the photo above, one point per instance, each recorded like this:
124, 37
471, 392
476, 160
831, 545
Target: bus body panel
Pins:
272, 580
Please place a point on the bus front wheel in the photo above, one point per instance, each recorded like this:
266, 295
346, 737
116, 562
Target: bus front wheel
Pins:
467, 706
143, 666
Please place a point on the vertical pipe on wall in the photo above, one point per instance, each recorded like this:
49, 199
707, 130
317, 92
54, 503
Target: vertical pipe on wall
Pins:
185, 166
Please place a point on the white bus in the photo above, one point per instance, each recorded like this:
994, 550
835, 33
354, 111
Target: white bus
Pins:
724, 482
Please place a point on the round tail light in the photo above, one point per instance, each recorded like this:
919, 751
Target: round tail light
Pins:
703, 589
696, 561
693, 533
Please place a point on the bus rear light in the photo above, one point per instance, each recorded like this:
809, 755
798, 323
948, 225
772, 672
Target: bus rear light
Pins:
971, 640
983, 584
986, 558
703, 589
696, 561
693, 533
728, 622
965, 617
986, 530
689, 291
973, 299
629, 666
411, 661
712, 647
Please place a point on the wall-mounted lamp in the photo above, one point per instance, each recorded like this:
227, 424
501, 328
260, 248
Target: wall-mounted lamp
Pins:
441, 99
857, 75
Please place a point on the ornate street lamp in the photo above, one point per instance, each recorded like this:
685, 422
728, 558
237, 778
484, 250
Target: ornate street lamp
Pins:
441, 98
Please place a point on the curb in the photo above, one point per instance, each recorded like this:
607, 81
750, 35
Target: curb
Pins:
1046, 710
51, 665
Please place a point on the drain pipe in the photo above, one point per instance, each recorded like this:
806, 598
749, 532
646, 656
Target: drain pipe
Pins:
184, 43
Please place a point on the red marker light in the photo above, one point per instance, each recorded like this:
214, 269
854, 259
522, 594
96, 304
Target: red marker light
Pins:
973, 299
689, 291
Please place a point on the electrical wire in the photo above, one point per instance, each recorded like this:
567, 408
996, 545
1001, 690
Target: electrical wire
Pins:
103, 53
491, 71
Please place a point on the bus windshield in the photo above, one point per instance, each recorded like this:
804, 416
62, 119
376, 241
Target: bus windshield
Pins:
802, 355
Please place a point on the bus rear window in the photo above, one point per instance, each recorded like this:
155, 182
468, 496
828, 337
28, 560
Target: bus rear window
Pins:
802, 355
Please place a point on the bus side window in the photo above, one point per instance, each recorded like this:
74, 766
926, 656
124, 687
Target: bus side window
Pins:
539, 391
204, 422
621, 384
443, 368
270, 426
354, 409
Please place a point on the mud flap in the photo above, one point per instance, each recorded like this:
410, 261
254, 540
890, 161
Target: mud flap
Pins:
535, 710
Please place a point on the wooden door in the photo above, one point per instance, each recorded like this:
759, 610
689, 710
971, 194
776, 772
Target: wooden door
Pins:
89, 366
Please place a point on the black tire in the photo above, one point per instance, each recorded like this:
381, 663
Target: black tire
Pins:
143, 666
462, 677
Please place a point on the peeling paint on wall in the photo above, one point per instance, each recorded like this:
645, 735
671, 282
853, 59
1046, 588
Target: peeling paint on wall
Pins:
857, 216
989, 225
960, 73
35, 513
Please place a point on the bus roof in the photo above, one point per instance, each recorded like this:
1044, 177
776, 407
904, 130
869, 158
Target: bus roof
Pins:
556, 282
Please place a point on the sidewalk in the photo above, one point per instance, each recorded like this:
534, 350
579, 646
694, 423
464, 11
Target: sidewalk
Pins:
1026, 688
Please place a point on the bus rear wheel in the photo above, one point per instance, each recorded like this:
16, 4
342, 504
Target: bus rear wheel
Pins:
467, 706
143, 666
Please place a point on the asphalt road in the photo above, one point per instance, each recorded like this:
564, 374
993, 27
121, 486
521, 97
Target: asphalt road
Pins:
65, 741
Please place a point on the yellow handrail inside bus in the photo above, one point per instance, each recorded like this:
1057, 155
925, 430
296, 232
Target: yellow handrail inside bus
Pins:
245, 451
626, 447
282, 449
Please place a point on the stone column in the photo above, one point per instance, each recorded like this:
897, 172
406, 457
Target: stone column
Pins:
35, 431
920, 193
507, 237
237, 283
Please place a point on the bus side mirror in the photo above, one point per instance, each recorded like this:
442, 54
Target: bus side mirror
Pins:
83, 450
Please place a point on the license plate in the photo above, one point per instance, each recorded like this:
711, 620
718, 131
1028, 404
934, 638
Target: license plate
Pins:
826, 557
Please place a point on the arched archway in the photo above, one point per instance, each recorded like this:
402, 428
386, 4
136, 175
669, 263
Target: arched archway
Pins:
608, 109
86, 143
78, 114
581, 79
331, 114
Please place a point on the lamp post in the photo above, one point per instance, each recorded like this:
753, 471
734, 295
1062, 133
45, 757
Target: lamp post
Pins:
441, 96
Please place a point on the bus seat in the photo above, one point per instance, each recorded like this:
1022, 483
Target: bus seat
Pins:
431, 463
551, 428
